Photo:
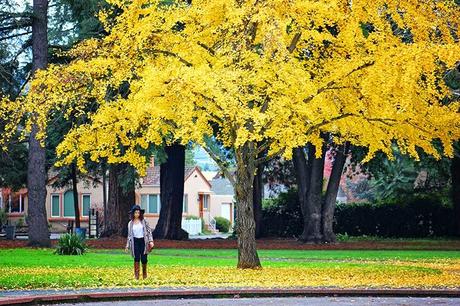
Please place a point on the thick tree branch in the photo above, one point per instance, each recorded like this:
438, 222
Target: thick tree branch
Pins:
221, 164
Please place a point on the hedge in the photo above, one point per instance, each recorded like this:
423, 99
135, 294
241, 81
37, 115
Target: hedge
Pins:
416, 217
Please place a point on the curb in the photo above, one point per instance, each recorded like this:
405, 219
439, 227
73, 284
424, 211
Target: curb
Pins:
223, 293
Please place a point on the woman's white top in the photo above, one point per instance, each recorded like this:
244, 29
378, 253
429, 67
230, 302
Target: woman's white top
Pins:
138, 230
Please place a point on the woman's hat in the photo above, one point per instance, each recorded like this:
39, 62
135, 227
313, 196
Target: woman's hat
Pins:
136, 207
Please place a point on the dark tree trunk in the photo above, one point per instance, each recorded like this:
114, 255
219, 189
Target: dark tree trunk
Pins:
302, 172
104, 191
36, 168
331, 193
455, 172
171, 195
257, 199
75, 195
312, 230
245, 224
121, 198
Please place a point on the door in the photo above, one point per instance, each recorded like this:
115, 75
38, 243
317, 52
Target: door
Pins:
226, 211
201, 205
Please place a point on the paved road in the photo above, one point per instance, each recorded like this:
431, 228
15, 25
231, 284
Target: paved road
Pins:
311, 301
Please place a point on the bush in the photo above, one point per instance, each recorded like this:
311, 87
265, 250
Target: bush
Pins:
418, 216
71, 244
192, 218
281, 216
222, 224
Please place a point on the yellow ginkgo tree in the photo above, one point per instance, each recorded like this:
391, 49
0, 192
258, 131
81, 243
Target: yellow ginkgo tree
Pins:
260, 76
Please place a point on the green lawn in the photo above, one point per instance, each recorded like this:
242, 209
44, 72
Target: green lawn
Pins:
40, 268
213, 258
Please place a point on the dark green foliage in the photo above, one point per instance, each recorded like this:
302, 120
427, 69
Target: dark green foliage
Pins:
71, 244
13, 166
222, 224
282, 216
420, 215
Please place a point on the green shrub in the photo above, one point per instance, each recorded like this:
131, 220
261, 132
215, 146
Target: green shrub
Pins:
20, 222
222, 224
417, 216
192, 218
71, 244
281, 216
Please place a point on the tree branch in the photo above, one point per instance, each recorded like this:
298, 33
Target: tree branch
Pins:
294, 42
182, 60
15, 35
268, 158
210, 50
331, 83
221, 164
16, 26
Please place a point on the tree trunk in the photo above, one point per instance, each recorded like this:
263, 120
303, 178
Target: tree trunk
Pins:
104, 191
36, 167
172, 195
302, 172
75, 195
257, 199
331, 193
455, 172
245, 224
121, 198
312, 230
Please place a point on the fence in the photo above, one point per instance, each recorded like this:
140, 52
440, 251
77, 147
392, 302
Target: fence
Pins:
192, 227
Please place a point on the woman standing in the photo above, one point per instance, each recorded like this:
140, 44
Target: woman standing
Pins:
140, 240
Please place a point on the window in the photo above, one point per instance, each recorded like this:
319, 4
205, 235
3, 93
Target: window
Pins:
205, 201
151, 203
185, 204
144, 201
55, 206
86, 205
69, 209
16, 202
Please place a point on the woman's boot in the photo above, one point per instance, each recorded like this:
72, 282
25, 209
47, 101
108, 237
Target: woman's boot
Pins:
136, 270
144, 270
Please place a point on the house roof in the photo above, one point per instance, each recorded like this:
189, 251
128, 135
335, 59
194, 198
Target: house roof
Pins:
152, 176
53, 175
209, 175
222, 186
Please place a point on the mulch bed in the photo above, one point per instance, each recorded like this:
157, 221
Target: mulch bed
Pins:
281, 244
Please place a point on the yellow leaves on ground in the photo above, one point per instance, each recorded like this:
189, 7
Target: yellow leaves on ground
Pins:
391, 274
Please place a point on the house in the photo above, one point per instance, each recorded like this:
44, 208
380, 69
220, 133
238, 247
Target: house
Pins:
199, 199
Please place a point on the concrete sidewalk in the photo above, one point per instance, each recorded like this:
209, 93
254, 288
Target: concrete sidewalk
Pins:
16, 297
